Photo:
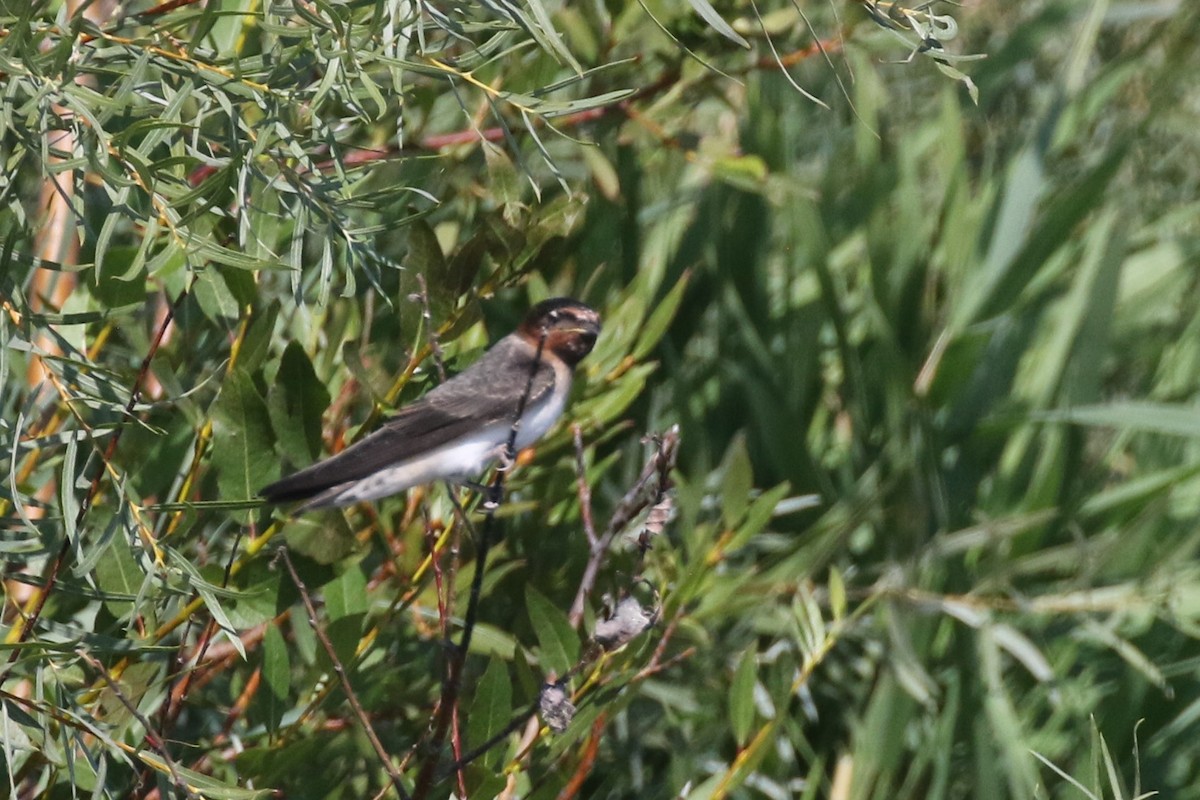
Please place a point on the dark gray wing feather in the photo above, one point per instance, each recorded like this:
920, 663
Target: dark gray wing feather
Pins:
488, 392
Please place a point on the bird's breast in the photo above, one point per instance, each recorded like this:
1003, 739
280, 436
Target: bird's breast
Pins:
539, 417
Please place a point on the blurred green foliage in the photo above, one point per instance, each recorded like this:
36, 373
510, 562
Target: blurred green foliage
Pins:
931, 342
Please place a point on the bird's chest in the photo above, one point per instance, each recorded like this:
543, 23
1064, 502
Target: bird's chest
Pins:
540, 416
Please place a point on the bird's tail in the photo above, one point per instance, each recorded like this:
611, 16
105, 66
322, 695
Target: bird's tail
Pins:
312, 487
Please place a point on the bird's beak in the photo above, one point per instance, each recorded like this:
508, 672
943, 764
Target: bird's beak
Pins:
588, 330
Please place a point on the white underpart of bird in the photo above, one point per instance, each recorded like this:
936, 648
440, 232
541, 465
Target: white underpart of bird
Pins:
466, 457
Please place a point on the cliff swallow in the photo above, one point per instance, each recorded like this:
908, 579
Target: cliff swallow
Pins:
456, 429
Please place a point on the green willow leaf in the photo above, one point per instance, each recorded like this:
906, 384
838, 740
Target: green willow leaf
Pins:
557, 640
490, 709
741, 697
717, 23
296, 401
243, 455
1166, 418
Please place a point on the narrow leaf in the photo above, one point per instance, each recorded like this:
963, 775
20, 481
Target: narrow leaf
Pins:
558, 641
741, 697
276, 674
717, 23
491, 708
736, 482
1171, 419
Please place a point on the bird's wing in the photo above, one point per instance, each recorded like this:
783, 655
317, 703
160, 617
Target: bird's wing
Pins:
492, 387
486, 394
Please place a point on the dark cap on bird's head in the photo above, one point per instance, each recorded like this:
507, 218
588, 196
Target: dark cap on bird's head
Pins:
569, 326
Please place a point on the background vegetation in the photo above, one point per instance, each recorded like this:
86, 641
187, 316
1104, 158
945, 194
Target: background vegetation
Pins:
929, 529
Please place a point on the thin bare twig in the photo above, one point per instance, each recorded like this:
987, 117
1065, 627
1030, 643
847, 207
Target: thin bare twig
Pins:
163, 8
656, 663
585, 491
586, 760
435, 344
152, 738
176, 698
451, 687
431, 538
445, 596
654, 669
443, 591
338, 668
170, 709
623, 107
637, 499
514, 724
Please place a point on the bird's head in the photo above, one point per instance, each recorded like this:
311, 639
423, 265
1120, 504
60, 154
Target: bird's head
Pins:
569, 326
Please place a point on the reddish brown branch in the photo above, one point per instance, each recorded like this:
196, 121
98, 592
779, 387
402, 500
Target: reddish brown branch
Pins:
586, 760
163, 8
356, 156
448, 704
803, 54
585, 491
636, 500
151, 738
344, 678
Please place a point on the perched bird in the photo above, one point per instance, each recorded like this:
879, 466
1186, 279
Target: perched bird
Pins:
456, 429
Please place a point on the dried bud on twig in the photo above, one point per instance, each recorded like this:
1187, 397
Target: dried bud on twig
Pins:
555, 706
656, 519
628, 621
